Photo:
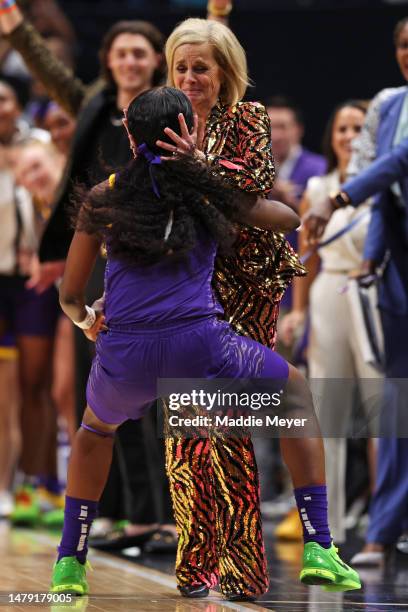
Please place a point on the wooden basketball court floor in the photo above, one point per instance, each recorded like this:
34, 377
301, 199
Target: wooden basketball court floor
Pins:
116, 585
120, 585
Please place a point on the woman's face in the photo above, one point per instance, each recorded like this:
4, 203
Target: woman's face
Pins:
402, 52
35, 169
347, 125
198, 75
132, 61
61, 127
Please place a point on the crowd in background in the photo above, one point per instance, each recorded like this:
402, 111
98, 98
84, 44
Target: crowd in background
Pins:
44, 363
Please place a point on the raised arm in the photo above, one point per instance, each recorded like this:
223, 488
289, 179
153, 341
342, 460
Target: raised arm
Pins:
365, 145
59, 81
47, 16
380, 175
251, 172
252, 169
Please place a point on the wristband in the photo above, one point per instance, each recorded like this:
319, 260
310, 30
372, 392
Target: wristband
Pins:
219, 12
340, 199
89, 319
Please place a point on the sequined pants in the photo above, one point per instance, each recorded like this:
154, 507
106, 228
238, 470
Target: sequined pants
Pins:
214, 485
214, 482
215, 490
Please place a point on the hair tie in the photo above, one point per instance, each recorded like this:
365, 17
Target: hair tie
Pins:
152, 159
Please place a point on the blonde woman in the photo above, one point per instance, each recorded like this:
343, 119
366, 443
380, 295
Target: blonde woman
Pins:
214, 482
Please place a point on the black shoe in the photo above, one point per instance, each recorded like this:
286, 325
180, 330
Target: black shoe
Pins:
402, 544
161, 541
194, 591
239, 596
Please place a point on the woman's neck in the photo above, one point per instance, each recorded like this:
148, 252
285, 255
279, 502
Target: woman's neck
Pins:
204, 112
342, 170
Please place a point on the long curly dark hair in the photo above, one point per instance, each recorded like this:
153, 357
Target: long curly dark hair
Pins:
131, 217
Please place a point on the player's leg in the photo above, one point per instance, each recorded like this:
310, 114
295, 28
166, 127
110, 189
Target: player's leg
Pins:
304, 457
88, 470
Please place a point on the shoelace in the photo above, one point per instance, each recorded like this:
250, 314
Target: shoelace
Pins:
87, 564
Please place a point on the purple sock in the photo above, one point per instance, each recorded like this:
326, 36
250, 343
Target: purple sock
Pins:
312, 506
78, 517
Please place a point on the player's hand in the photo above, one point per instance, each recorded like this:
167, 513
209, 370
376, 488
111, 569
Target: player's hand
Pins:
99, 304
187, 143
97, 327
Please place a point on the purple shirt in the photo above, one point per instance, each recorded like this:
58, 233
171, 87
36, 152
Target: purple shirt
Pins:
167, 292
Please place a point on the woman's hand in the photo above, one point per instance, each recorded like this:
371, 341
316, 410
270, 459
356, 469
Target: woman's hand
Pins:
97, 327
315, 220
289, 326
189, 143
365, 275
10, 16
43, 275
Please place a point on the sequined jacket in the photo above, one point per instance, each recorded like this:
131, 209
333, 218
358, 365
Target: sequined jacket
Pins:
249, 284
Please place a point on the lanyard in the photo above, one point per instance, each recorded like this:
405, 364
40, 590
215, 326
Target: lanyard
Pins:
335, 236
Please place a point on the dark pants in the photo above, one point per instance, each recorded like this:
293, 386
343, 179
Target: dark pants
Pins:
389, 508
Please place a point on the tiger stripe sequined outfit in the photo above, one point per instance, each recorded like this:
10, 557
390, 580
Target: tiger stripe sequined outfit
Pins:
214, 482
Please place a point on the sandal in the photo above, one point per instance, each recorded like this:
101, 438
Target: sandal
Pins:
118, 539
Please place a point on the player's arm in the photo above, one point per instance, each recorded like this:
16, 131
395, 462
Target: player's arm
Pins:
269, 214
59, 81
80, 262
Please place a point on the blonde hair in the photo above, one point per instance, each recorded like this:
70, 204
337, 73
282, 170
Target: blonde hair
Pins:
35, 143
228, 53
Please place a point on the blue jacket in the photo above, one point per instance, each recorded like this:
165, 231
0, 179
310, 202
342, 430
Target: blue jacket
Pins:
389, 222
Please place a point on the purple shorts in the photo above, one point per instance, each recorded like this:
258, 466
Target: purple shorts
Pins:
128, 362
24, 311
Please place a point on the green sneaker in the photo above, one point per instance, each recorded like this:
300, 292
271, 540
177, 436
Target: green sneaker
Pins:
69, 576
26, 511
323, 566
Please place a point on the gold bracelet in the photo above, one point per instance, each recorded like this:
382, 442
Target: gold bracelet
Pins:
218, 12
